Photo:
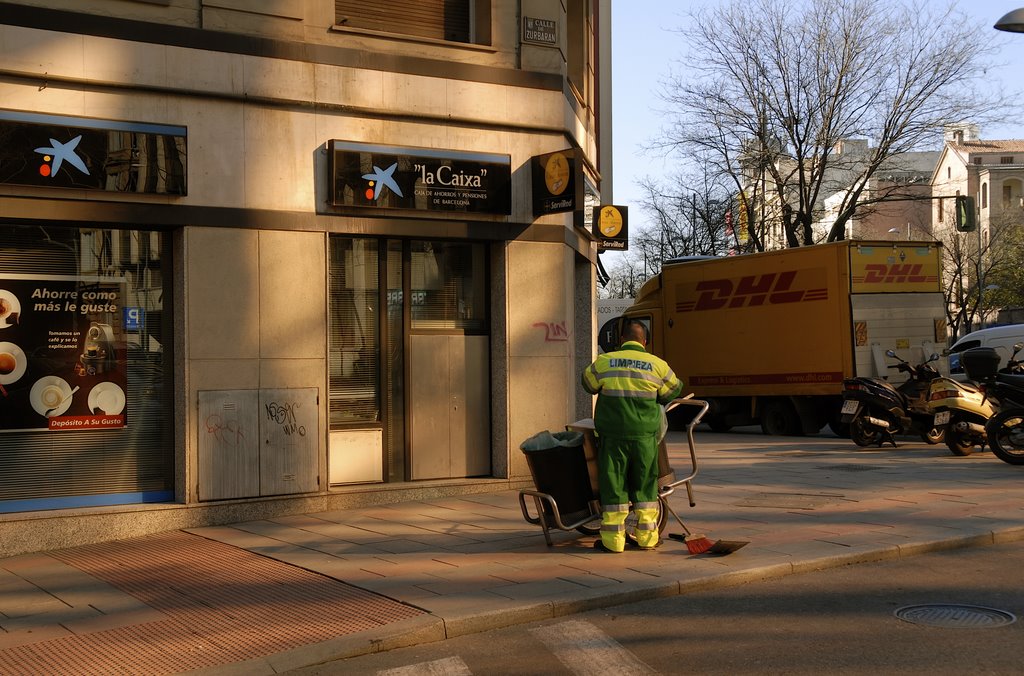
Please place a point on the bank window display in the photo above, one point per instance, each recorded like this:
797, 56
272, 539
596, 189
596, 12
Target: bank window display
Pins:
85, 366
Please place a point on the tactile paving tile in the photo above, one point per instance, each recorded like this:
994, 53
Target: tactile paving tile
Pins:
223, 605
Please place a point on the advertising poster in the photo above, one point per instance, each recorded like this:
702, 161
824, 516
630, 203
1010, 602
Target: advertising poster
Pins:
62, 353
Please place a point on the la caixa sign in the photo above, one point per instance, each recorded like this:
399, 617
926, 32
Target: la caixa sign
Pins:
56, 151
419, 179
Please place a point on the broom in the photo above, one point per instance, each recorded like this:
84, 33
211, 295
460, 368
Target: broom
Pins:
695, 544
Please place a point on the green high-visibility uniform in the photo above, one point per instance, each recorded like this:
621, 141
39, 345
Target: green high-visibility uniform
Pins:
631, 385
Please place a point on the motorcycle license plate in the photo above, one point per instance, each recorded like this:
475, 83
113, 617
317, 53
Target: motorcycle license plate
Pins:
850, 407
941, 418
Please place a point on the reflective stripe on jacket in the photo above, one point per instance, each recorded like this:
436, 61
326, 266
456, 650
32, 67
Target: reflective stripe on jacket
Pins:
632, 384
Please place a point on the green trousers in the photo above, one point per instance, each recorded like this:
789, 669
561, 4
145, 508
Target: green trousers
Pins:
628, 474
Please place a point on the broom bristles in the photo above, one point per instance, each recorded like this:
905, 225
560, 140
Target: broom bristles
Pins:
698, 544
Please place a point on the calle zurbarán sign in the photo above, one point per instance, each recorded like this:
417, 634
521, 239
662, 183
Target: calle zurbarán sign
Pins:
420, 179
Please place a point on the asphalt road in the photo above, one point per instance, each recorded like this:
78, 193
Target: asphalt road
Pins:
835, 621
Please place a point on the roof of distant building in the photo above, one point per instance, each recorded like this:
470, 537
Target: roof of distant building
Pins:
1008, 146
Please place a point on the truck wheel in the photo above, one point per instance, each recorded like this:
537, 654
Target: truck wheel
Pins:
779, 419
680, 417
840, 429
718, 424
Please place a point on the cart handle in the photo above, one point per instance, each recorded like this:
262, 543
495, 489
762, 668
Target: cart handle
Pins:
688, 400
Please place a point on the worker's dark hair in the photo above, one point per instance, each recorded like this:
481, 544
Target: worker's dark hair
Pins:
634, 329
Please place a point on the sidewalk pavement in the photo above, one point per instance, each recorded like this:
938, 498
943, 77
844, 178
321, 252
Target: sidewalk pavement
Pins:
268, 596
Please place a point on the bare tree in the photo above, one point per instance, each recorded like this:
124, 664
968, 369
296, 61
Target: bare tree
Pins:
625, 277
1008, 277
770, 89
982, 272
687, 215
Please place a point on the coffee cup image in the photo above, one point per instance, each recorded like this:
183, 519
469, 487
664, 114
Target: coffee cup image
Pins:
13, 363
51, 396
107, 401
10, 308
106, 398
8, 362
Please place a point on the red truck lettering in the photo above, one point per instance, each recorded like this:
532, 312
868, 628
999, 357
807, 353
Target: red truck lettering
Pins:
749, 291
880, 273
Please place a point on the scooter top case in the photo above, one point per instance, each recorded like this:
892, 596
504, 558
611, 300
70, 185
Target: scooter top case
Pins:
980, 363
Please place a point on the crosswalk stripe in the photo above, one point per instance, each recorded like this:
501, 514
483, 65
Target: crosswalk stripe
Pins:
587, 651
449, 666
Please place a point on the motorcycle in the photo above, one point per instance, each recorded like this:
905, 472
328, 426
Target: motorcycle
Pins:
964, 408
875, 410
1005, 430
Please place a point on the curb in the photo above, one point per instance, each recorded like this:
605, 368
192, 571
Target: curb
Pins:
433, 627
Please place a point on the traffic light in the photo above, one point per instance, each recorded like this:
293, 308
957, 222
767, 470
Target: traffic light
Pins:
965, 220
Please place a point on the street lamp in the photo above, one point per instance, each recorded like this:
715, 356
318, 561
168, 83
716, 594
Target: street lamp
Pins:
1012, 22
896, 231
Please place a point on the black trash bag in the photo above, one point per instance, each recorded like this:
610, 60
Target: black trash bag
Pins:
545, 440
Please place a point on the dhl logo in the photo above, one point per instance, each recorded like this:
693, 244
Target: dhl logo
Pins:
880, 273
774, 288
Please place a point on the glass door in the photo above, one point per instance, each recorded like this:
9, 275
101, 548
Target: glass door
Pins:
409, 380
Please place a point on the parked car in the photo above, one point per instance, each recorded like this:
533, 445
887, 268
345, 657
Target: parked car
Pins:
1002, 338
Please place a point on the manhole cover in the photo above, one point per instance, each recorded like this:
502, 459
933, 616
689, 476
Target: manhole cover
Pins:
849, 468
955, 616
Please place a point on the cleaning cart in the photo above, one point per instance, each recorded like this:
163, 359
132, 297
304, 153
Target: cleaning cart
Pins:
565, 476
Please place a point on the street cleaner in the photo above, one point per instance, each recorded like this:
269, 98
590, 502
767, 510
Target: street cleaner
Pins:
631, 386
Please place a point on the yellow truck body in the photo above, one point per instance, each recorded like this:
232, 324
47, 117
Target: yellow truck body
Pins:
767, 334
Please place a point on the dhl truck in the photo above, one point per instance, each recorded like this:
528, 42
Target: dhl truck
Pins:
768, 338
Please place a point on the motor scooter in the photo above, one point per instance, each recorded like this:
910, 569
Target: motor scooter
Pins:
1005, 429
965, 407
875, 410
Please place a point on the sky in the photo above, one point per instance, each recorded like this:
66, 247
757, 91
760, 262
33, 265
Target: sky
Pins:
644, 45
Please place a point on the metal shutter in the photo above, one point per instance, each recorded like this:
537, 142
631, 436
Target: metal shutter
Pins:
437, 19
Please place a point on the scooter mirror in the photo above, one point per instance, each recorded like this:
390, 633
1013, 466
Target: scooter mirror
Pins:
890, 354
935, 355
1017, 347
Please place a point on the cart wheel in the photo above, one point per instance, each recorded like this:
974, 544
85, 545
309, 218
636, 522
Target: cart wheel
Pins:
592, 527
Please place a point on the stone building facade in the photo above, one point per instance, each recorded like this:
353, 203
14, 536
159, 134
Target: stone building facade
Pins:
261, 258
